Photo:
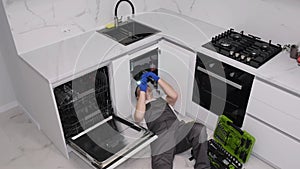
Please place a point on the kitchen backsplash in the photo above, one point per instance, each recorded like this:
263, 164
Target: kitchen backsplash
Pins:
36, 23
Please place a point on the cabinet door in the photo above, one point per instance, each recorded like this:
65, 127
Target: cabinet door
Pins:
123, 83
272, 145
174, 65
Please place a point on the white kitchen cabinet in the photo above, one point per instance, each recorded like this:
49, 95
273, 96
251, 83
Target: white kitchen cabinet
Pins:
273, 119
272, 146
177, 68
36, 98
275, 107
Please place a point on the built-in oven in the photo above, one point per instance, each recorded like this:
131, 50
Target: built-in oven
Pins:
91, 128
221, 88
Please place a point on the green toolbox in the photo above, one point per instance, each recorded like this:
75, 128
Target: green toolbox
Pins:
230, 146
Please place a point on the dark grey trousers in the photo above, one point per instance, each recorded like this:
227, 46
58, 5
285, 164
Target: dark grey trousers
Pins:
177, 137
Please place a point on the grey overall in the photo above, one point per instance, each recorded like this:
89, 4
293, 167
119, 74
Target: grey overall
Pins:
174, 136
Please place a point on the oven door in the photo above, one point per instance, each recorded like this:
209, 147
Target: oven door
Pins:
110, 142
221, 88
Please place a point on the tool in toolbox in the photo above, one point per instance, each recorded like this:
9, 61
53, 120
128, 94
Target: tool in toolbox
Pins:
230, 146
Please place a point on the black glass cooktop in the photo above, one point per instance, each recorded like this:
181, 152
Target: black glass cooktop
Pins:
247, 49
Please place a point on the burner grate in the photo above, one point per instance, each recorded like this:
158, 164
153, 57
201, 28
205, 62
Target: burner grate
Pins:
247, 49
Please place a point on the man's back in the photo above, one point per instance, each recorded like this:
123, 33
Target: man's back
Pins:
157, 111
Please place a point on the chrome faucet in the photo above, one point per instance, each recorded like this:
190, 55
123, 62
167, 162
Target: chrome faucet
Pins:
116, 19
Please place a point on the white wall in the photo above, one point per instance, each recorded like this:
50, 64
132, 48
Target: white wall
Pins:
277, 20
35, 23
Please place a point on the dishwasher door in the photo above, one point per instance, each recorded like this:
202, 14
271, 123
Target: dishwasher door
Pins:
110, 142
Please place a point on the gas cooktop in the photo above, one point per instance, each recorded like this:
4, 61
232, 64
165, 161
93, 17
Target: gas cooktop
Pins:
247, 49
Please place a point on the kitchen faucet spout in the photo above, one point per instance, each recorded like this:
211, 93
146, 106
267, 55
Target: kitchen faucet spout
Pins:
116, 10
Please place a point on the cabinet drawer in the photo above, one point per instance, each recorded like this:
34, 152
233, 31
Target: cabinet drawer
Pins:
273, 146
275, 107
277, 98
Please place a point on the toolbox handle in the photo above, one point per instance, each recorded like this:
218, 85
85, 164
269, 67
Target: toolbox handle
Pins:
235, 127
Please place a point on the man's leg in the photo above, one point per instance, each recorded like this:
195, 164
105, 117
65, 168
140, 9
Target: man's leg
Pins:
183, 146
163, 160
196, 138
163, 148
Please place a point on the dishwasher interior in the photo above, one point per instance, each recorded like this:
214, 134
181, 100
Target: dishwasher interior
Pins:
90, 126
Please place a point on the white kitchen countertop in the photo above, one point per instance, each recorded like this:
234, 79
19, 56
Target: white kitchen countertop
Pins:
76, 54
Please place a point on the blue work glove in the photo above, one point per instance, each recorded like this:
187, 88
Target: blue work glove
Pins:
152, 75
143, 85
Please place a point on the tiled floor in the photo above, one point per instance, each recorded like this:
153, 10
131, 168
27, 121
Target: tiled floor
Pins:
23, 146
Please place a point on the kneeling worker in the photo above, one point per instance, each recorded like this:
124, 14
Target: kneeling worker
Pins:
174, 136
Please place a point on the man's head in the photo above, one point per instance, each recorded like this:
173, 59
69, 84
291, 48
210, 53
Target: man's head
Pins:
149, 94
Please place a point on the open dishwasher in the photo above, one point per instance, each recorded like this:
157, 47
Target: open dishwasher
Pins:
91, 128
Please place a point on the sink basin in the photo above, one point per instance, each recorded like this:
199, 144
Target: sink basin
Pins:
129, 32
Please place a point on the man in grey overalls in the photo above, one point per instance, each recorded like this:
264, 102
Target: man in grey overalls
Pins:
174, 136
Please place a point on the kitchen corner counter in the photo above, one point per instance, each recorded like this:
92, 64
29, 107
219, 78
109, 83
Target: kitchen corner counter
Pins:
76, 54
79, 53
282, 72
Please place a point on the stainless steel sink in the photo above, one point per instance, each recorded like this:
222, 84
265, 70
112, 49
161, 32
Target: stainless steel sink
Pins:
129, 32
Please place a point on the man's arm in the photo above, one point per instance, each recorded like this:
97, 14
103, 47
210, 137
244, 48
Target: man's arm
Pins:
140, 107
169, 91
141, 103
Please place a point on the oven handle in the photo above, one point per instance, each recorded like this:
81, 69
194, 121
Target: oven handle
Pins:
219, 78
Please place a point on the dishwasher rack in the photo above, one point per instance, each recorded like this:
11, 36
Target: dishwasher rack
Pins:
91, 128
84, 102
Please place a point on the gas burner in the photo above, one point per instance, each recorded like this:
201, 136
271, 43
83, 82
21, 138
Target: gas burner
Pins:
254, 53
247, 49
264, 47
225, 43
236, 36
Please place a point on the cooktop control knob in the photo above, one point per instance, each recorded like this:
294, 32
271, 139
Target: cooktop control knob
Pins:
243, 57
248, 59
237, 55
